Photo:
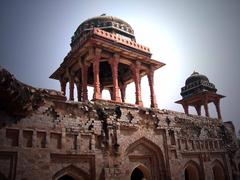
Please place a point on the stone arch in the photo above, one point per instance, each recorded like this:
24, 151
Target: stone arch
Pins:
218, 170
192, 171
148, 154
145, 172
71, 171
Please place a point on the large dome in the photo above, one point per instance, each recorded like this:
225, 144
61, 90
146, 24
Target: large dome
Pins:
195, 76
107, 23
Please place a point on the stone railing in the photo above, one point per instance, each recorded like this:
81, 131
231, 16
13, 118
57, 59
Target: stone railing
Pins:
120, 40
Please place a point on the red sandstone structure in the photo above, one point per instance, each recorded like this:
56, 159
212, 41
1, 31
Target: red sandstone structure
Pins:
44, 136
199, 91
106, 56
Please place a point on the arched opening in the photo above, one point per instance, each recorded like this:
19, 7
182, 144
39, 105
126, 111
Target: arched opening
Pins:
71, 173
141, 173
150, 159
66, 177
137, 174
191, 172
218, 171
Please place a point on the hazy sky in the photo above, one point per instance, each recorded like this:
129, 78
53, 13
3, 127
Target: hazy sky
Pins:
187, 35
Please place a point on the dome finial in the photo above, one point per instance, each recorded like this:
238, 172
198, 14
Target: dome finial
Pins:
103, 14
194, 72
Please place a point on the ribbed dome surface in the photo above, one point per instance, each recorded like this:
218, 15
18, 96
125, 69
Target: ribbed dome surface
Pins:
107, 23
195, 76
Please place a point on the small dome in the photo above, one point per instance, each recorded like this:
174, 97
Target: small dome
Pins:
107, 23
195, 76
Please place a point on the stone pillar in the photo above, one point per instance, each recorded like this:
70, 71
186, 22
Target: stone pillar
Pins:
217, 104
96, 59
185, 107
71, 88
114, 66
63, 84
150, 76
135, 68
84, 82
79, 90
206, 109
205, 104
111, 92
123, 91
198, 109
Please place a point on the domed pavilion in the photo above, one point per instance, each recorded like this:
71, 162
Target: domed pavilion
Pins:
104, 54
199, 91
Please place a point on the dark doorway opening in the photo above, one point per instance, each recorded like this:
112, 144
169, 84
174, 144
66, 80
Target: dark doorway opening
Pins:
2, 177
218, 173
137, 174
191, 172
186, 173
66, 177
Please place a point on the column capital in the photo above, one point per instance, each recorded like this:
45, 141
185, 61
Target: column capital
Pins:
84, 62
216, 101
98, 51
116, 56
138, 63
63, 80
79, 62
114, 59
135, 65
69, 73
150, 70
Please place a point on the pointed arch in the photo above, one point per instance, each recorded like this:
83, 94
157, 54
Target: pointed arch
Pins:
144, 141
192, 171
142, 168
157, 169
73, 171
218, 170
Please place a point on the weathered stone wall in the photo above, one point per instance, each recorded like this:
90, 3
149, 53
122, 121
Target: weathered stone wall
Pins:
102, 140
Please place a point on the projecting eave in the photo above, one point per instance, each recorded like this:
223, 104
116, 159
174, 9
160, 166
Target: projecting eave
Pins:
156, 64
197, 98
129, 51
